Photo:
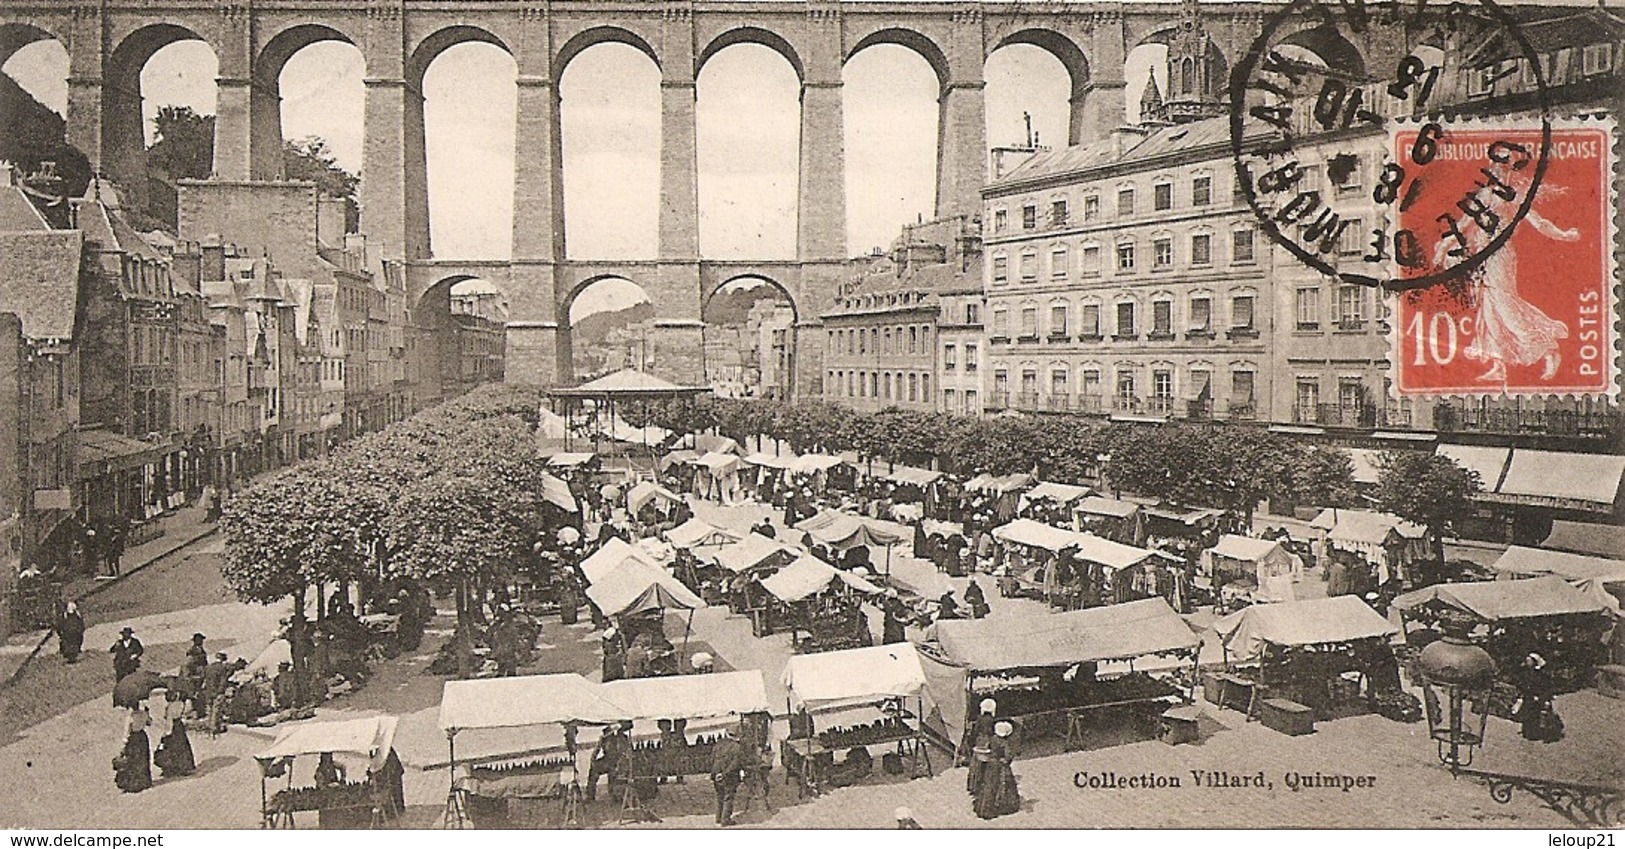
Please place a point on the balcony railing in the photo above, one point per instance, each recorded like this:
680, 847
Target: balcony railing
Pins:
1242, 410
1604, 424
998, 400
1028, 401
1335, 415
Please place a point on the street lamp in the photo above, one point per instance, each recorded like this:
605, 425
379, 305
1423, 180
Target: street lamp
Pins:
1456, 678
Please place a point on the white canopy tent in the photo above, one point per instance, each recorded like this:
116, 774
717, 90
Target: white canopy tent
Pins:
638, 587
1318, 621
1270, 565
698, 533
611, 557
689, 696
841, 679
645, 491
1059, 493
525, 701
751, 552
1037, 535
807, 576
1598, 578
371, 738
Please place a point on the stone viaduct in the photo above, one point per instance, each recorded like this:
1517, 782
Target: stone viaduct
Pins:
109, 41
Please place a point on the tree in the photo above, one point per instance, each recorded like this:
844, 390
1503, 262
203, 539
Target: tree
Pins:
1428, 489
184, 145
311, 160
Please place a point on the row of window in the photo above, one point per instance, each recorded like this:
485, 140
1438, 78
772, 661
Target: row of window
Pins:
888, 386
972, 405
1059, 213
1350, 307
950, 357
1127, 383
1351, 393
884, 341
1127, 256
1126, 324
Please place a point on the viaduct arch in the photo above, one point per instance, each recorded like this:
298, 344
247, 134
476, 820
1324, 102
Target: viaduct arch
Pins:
107, 44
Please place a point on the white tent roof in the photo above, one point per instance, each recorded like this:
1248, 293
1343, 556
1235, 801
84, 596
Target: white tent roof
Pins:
1338, 619
371, 737
815, 463
837, 679
1364, 463
1114, 555
697, 532
565, 459
1489, 461
808, 576
645, 491
640, 587
1060, 492
689, 696
1037, 534
1098, 506
1363, 526
1519, 560
611, 557
913, 476
522, 702
1238, 547
1589, 478
750, 552
557, 493
719, 463
771, 461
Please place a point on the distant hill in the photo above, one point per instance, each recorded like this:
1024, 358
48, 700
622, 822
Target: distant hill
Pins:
734, 307
592, 329
30, 133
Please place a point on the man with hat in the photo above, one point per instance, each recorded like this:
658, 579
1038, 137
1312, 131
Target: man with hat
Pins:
197, 660
126, 653
727, 773
614, 666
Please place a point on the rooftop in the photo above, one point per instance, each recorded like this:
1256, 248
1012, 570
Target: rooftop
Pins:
39, 280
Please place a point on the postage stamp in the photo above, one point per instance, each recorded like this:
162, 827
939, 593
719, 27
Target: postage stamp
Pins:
1532, 315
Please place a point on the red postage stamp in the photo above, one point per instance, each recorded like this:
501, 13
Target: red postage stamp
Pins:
1526, 230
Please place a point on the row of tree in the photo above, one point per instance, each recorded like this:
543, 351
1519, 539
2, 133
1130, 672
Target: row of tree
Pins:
1220, 465
448, 498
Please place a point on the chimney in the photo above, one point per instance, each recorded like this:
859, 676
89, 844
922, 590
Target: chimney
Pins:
212, 263
186, 264
355, 244
329, 221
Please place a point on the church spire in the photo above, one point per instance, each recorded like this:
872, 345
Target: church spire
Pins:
1151, 108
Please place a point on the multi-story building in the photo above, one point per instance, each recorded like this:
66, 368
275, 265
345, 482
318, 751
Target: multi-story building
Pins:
40, 277
770, 356
962, 342
881, 348
130, 464
1126, 277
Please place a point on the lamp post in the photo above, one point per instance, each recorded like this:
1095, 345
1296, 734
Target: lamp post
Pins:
1456, 679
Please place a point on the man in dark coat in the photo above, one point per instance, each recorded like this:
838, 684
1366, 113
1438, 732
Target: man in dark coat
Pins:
197, 660
893, 626
727, 773
607, 759
976, 600
126, 654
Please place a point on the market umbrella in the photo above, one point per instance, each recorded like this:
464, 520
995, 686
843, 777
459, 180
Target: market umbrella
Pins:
568, 535
610, 492
134, 688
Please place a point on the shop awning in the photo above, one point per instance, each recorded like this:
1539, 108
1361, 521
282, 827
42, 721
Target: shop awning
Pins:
840, 679
1561, 478
911, 476
1494, 601
117, 451
1111, 554
689, 696
809, 463
697, 532
611, 557
1319, 621
808, 576
1061, 493
644, 491
557, 493
1243, 548
523, 702
1586, 538
1114, 632
1094, 505
371, 737
1489, 461
1036, 534
639, 587
570, 459
751, 552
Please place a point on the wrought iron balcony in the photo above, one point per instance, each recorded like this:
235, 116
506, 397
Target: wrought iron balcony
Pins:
1599, 424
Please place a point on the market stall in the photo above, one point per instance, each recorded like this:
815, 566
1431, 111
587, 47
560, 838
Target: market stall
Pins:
812, 597
732, 570
716, 477
1068, 675
884, 684
852, 537
1028, 560
502, 723
557, 493
1292, 663
571, 459
913, 492
682, 699
1051, 503
1600, 578
1512, 618
1243, 570
767, 476
999, 495
652, 495
612, 556
359, 747
1387, 544
1110, 572
1118, 521
821, 471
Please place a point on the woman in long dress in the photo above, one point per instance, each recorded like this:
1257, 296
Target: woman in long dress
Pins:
70, 633
980, 737
1509, 330
174, 756
132, 769
996, 793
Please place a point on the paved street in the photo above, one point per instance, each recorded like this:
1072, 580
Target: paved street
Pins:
61, 732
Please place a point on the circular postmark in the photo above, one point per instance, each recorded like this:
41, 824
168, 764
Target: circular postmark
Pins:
1304, 108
